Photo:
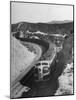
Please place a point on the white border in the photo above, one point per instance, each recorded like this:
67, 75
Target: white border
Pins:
5, 48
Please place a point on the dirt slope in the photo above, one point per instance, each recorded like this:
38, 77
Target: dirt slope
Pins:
20, 56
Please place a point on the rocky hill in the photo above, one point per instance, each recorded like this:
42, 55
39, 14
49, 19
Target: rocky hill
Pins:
44, 27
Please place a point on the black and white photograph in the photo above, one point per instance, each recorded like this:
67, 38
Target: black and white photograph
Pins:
41, 49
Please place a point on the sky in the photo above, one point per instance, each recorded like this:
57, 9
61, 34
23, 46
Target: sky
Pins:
31, 12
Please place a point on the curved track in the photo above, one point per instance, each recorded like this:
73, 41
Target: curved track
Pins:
38, 50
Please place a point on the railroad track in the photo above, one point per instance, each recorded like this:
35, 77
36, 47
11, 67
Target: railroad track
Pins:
16, 87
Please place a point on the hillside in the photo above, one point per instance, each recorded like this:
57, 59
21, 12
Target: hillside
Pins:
44, 27
19, 58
